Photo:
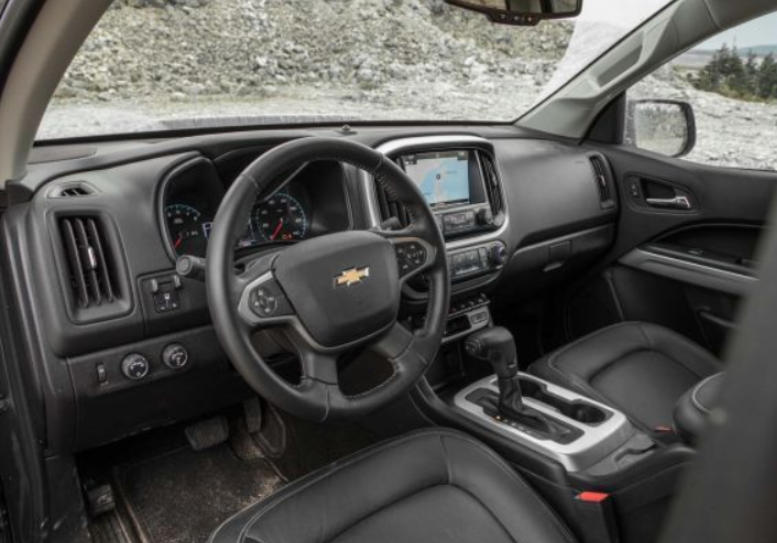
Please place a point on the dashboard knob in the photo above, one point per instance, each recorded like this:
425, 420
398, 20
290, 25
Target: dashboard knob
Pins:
499, 254
175, 356
135, 366
485, 217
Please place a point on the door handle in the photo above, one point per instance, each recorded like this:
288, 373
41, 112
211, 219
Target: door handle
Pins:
678, 202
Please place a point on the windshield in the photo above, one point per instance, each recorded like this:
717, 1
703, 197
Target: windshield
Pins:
153, 65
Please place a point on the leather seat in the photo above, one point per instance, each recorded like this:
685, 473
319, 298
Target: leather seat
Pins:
639, 368
426, 486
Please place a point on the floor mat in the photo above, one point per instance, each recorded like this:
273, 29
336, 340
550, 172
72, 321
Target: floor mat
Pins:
183, 496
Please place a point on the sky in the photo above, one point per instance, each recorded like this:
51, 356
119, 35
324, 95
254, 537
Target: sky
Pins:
762, 31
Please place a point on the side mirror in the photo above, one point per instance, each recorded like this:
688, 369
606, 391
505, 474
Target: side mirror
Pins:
522, 12
667, 127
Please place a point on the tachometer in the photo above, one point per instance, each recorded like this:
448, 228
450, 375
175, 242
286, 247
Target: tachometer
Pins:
188, 229
281, 218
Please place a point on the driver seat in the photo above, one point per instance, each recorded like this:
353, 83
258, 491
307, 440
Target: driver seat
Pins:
432, 485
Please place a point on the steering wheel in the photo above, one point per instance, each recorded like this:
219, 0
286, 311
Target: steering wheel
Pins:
331, 294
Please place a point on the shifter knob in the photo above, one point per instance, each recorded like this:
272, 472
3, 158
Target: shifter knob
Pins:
494, 345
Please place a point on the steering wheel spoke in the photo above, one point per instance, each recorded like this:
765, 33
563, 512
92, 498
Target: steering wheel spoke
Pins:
414, 254
394, 343
262, 301
319, 366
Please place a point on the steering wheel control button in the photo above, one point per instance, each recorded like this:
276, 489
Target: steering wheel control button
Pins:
135, 366
411, 256
268, 301
175, 356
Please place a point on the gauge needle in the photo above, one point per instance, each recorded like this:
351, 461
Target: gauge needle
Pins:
178, 242
277, 230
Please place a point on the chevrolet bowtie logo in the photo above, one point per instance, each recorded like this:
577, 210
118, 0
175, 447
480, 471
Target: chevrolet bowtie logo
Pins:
351, 277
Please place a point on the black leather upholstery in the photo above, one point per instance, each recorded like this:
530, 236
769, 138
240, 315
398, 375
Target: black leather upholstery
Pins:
641, 369
694, 407
426, 486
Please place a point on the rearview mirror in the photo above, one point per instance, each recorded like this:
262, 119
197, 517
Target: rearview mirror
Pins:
522, 12
667, 127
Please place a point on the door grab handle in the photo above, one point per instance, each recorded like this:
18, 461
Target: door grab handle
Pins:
678, 202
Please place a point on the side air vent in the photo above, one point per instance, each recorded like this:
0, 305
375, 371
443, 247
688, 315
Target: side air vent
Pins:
603, 180
390, 207
492, 186
72, 190
93, 280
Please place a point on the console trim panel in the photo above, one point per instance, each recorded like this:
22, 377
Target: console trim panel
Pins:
394, 146
596, 443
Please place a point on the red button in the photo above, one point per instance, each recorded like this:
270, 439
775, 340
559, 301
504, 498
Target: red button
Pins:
592, 497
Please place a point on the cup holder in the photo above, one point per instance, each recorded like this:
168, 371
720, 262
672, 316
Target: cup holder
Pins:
576, 410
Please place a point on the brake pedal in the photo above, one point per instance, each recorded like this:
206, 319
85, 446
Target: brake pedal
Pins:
272, 439
252, 409
207, 433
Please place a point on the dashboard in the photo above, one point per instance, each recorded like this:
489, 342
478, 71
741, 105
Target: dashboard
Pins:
519, 215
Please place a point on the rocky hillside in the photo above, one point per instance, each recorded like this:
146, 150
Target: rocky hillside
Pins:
182, 48
155, 64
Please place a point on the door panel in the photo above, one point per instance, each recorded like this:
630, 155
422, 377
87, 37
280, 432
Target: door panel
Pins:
686, 249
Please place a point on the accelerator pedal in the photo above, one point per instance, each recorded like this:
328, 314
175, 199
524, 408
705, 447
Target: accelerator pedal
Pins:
207, 433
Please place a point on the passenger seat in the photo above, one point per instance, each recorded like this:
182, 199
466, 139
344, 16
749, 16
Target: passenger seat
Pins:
641, 369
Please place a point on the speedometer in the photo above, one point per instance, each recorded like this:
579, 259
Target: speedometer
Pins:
188, 230
281, 218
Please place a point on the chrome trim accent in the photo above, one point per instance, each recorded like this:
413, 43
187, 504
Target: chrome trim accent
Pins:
689, 272
591, 448
678, 202
394, 146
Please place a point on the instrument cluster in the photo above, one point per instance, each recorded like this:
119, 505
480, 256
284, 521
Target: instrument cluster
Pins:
192, 198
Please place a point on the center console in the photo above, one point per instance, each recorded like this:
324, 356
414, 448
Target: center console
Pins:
569, 428
584, 433
460, 180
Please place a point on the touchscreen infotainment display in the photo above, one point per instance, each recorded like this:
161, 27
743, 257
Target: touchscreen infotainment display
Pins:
442, 177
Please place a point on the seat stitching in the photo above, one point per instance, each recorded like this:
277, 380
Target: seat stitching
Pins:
320, 476
447, 463
543, 506
490, 513
694, 395
356, 457
563, 350
383, 508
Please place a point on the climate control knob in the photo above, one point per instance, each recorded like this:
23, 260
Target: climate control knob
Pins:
175, 356
499, 254
135, 366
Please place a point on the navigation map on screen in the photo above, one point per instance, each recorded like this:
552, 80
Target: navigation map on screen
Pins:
442, 177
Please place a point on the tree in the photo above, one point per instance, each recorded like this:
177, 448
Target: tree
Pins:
751, 72
727, 74
767, 78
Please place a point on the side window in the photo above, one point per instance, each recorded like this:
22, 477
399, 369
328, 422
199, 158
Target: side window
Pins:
716, 104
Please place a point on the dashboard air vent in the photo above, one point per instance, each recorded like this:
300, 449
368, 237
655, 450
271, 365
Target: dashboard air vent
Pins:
92, 279
492, 184
390, 207
72, 190
603, 180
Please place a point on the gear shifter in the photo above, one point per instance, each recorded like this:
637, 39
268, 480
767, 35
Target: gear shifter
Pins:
496, 345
